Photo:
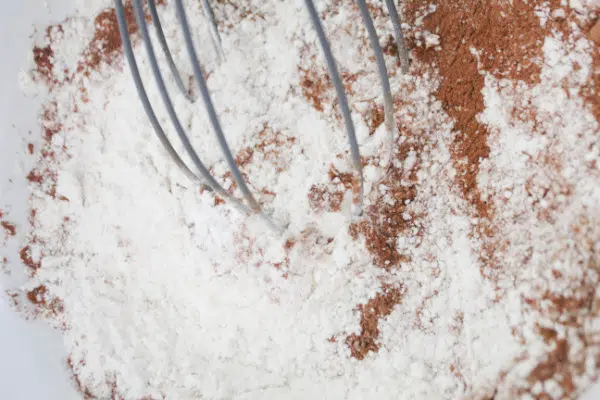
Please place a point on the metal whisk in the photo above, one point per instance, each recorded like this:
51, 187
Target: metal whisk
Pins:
205, 178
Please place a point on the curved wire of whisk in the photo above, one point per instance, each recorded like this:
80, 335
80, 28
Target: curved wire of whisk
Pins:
214, 31
205, 177
124, 29
210, 108
342, 98
388, 104
165, 48
398, 36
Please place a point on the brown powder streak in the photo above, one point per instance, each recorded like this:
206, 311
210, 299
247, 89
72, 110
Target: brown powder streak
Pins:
385, 221
508, 37
87, 395
379, 307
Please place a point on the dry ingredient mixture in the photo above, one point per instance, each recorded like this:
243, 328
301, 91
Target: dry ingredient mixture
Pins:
473, 274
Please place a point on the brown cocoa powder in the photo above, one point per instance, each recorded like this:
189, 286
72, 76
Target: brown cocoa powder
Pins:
87, 394
25, 255
42, 56
379, 307
385, 222
374, 117
105, 46
10, 229
508, 38
37, 295
314, 87
35, 177
594, 33
591, 91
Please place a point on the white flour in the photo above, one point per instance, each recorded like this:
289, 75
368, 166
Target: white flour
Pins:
166, 295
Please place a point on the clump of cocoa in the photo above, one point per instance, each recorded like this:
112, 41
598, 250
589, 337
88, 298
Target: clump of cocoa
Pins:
43, 58
27, 259
379, 307
10, 228
389, 216
374, 117
105, 47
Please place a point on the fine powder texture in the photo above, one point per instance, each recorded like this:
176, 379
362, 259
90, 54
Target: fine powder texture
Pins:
473, 273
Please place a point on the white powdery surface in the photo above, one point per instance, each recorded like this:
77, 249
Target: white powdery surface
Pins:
166, 295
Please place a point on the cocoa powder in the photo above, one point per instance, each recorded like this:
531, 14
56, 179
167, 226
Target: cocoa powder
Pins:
10, 229
105, 46
508, 37
87, 395
591, 91
314, 87
42, 56
379, 307
374, 117
37, 296
25, 255
385, 221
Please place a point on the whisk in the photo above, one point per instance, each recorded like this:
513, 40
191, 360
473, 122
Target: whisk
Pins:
251, 206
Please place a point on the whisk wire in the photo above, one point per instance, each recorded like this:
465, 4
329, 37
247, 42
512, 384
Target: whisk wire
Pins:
165, 48
141, 21
342, 98
210, 109
160, 133
398, 36
214, 31
388, 103
207, 180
